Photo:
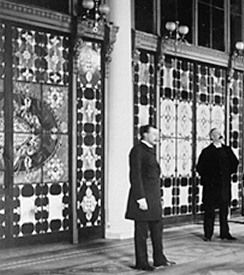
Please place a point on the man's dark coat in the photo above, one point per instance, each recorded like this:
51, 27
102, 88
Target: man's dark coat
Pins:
216, 180
145, 183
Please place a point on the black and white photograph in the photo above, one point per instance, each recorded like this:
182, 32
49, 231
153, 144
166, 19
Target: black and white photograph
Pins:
121, 137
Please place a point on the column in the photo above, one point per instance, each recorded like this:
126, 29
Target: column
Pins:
118, 124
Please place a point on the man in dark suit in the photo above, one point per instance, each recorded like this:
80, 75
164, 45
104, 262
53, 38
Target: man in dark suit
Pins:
144, 202
215, 165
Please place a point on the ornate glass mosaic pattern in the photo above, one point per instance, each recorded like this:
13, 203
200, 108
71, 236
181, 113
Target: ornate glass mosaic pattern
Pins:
236, 133
2, 166
2, 188
210, 109
2, 43
40, 57
89, 135
176, 126
144, 91
40, 133
40, 208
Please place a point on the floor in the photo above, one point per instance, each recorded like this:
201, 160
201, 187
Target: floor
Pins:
182, 244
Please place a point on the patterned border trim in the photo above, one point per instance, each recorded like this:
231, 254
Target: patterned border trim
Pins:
35, 16
201, 54
85, 29
149, 42
146, 41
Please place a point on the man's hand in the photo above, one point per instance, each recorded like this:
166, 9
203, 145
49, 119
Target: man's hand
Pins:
142, 204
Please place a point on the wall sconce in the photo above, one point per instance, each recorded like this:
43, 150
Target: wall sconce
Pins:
236, 54
96, 12
239, 48
176, 31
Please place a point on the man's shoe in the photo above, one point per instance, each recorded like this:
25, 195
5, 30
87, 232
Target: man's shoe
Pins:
206, 239
145, 267
167, 263
228, 237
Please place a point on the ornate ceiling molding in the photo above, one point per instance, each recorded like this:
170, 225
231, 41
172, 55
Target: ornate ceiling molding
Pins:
85, 28
34, 16
146, 41
192, 52
149, 42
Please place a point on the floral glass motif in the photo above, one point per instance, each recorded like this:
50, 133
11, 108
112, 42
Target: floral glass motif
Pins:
40, 132
176, 136
89, 135
40, 57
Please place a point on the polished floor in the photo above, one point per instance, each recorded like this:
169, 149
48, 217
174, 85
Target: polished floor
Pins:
182, 244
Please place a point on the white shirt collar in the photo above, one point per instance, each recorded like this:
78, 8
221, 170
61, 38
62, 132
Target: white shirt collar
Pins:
219, 145
146, 143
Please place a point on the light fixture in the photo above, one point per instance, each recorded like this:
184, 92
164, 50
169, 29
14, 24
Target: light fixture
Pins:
176, 31
95, 12
92, 19
239, 47
236, 54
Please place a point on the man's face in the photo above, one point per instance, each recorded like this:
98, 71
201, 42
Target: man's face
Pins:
152, 136
216, 135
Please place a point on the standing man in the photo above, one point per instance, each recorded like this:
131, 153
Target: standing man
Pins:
144, 202
215, 165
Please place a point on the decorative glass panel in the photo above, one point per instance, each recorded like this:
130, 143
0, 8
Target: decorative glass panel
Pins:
176, 126
236, 133
144, 91
40, 132
90, 119
210, 110
2, 166
40, 57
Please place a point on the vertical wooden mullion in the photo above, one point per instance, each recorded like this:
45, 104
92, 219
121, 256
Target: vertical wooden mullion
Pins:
194, 142
8, 134
104, 92
73, 126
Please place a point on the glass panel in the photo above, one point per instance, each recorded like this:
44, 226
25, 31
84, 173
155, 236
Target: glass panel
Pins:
144, 15
205, 1
144, 96
1, 132
40, 117
218, 3
168, 13
185, 16
177, 10
90, 118
3, 214
235, 30
236, 7
2, 70
176, 140
204, 25
235, 22
236, 134
211, 24
218, 29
